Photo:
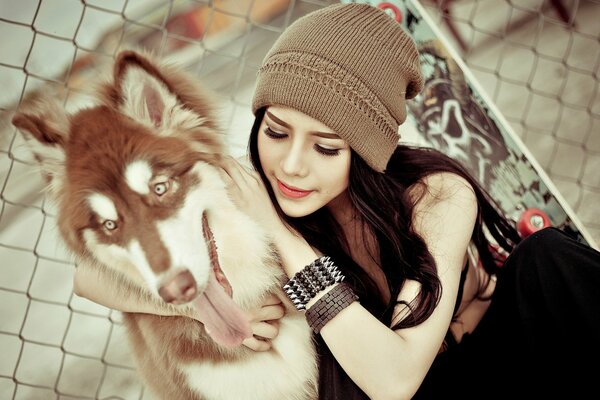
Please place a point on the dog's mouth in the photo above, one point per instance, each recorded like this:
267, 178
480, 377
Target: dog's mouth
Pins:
214, 256
223, 320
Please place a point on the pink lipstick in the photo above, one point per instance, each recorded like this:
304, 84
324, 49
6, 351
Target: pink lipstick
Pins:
292, 192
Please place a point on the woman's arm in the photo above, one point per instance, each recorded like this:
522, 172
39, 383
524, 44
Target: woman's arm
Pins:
392, 364
99, 286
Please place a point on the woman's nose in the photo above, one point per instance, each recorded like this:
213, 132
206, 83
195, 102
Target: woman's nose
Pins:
293, 163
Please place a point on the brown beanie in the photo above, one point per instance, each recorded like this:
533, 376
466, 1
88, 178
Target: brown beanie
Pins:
349, 66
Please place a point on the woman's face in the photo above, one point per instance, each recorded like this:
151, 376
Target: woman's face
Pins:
306, 163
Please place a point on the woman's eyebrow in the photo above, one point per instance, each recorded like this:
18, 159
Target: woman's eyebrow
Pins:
326, 135
277, 120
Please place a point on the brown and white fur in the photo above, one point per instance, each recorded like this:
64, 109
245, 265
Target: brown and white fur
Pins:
132, 178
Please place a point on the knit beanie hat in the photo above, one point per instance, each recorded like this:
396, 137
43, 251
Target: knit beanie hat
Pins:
349, 66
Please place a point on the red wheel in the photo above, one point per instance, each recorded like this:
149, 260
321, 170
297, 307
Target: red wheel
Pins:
392, 10
532, 220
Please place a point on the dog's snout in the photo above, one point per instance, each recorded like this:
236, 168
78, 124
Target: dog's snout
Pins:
179, 289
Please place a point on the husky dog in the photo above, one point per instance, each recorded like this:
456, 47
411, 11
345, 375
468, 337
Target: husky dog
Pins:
139, 195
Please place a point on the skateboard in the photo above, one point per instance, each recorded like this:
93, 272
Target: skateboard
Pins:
453, 114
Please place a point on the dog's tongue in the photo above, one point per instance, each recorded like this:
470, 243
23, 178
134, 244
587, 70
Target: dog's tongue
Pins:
223, 320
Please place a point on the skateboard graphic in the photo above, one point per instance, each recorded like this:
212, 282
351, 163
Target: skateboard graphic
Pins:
453, 114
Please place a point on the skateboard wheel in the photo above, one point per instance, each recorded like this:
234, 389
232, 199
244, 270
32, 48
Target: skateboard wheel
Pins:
532, 220
391, 9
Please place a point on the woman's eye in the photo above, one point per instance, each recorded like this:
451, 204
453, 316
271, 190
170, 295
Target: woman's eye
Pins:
274, 135
161, 188
109, 225
325, 151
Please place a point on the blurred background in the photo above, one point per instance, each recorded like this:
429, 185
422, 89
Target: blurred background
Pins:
538, 60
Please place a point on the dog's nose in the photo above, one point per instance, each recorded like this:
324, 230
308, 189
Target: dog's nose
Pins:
179, 289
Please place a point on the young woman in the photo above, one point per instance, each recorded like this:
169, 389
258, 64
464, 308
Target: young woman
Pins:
424, 309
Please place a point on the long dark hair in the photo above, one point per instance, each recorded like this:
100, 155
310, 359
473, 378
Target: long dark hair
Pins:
385, 208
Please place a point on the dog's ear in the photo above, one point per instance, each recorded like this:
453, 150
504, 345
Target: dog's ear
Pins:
144, 94
45, 126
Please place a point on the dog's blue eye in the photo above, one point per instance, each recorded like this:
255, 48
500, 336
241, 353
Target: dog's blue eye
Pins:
110, 225
161, 188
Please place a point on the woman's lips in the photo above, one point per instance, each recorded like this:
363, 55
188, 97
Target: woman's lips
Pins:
292, 191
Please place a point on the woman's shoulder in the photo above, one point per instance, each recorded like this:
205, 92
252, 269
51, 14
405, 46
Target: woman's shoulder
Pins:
444, 215
441, 186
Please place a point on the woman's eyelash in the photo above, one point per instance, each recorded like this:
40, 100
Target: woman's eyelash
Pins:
322, 150
274, 135
326, 152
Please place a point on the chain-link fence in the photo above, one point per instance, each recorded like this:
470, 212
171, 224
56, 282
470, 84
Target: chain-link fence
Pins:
538, 60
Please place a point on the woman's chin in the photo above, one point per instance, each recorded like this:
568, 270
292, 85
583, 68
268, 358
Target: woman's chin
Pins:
294, 208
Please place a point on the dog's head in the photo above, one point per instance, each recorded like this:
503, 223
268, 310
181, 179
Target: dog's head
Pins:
134, 178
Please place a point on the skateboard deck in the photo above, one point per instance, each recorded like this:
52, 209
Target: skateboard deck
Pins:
453, 114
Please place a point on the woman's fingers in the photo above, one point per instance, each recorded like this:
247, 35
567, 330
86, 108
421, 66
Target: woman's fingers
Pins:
231, 175
250, 195
269, 313
264, 323
266, 330
257, 344
242, 183
262, 333
240, 174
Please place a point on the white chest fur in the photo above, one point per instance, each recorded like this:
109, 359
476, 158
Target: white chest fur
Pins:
287, 371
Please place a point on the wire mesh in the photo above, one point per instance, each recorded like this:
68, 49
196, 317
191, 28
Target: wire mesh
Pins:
538, 60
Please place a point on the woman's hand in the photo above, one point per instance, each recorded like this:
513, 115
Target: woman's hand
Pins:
474, 309
265, 324
249, 194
